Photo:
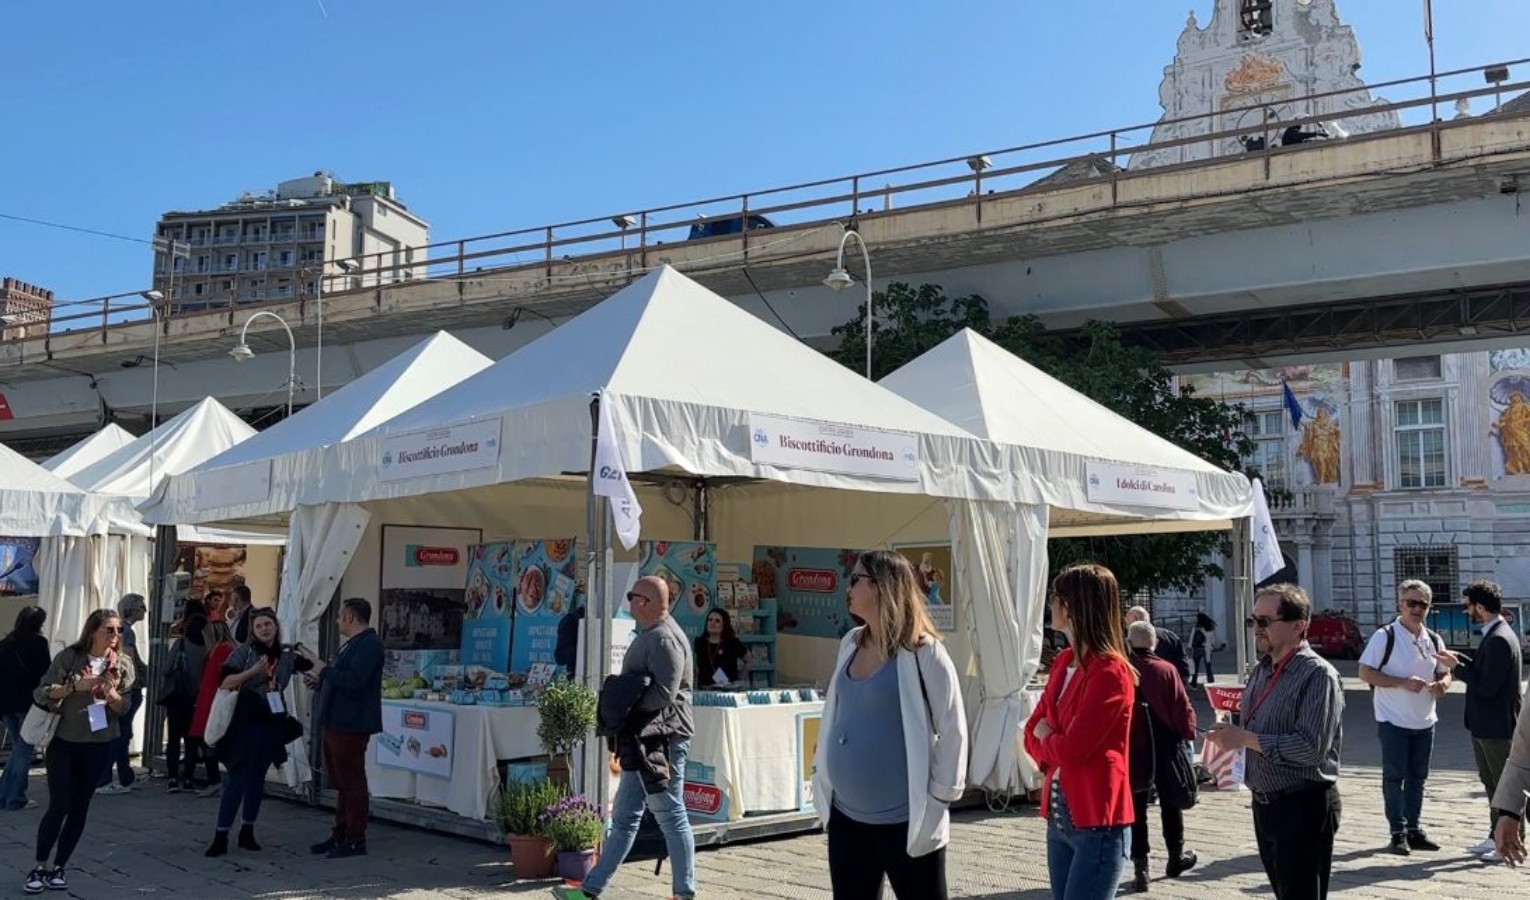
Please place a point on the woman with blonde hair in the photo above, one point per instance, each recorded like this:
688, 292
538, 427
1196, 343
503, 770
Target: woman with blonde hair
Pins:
893, 715
1079, 735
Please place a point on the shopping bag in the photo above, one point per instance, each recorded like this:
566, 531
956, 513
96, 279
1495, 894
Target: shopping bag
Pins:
38, 727
220, 716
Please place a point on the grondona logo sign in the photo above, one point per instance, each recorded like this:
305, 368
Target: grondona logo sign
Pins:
432, 556
416, 720
813, 581
703, 798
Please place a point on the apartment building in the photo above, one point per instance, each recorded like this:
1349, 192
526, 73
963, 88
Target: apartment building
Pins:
25, 310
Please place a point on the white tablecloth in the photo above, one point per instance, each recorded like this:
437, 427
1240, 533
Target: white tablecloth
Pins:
755, 753
482, 736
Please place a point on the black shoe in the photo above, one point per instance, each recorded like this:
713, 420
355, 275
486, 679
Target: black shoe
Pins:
1140, 876
219, 845
323, 847
346, 849
55, 880
1417, 840
1180, 863
174, 787
37, 881
247, 838
1399, 845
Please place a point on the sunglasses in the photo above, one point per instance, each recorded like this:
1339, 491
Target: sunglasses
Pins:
635, 597
110, 630
1419, 605
1263, 622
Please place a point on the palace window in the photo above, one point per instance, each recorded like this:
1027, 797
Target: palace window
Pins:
1416, 368
1268, 432
1420, 434
1436, 566
1256, 19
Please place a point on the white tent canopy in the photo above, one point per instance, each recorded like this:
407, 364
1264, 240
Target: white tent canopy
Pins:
89, 450
37, 503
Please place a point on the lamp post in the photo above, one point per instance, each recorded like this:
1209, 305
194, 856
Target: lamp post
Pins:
242, 351
839, 279
156, 300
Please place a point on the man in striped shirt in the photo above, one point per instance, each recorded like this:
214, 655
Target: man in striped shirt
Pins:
1290, 730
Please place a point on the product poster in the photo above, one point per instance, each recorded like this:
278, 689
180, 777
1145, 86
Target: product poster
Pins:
214, 568
807, 747
705, 800
17, 575
490, 615
417, 738
811, 587
423, 573
933, 569
546, 587
690, 568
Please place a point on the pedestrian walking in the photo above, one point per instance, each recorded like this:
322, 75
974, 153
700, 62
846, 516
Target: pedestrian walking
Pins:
1079, 735
1162, 721
659, 720
1290, 729
1202, 644
23, 663
1401, 664
179, 685
83, 687
1170, 648
349, 713
893, 718
1493, 690
259, 671
219, 644
118, 761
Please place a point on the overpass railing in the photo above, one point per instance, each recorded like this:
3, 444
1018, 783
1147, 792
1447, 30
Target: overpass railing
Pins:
968, 182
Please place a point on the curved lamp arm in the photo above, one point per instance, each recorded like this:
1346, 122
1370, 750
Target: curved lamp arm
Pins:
292, 344
839, 263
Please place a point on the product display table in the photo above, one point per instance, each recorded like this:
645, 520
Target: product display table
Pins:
753, 756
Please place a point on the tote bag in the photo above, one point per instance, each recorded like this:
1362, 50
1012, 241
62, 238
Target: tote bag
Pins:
38, 727
220, 716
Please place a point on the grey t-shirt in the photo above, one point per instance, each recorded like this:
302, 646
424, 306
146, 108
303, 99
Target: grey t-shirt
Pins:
663, 652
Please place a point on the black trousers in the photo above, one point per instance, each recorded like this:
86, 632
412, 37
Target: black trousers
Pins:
178, 717
1295, 834
860, 855
1173, 827
73, 771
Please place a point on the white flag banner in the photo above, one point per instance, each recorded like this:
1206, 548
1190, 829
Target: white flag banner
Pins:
611, 481
1267, 557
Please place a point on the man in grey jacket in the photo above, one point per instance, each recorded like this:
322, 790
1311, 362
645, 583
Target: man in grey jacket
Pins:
662, 652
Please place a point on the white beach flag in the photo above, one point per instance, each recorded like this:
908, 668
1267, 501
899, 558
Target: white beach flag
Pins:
611, 481
1267, 557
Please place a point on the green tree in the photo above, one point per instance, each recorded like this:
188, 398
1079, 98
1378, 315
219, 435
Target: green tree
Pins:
909, 321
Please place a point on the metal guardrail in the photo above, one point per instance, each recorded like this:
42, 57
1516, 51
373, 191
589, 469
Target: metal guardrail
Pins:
991, 175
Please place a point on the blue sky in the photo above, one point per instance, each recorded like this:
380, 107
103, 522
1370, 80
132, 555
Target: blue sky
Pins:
492, 115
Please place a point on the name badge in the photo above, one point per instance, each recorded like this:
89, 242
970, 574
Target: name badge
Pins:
719, 677
97, 713
274, 700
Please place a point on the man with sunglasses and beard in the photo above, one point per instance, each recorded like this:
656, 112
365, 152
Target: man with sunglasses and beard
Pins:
1290, 730
1405, 676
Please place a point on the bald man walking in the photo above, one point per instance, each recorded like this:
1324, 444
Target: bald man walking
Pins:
662, 653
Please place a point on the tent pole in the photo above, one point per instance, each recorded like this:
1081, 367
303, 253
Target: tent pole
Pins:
594, 602
1242, 586
159, 619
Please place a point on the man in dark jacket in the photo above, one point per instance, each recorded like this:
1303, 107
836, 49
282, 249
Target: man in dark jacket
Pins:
1170, 649
24, 660
1492, 692
1162, 720
349, 712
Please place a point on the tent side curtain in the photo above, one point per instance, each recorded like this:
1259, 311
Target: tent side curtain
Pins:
320, 543
999, 553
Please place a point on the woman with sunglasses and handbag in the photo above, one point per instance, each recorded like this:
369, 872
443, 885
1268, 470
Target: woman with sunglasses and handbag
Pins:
259, 670
893, 716
83, 692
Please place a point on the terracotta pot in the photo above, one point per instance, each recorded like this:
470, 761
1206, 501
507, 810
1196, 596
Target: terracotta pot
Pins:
532, 856
575, 865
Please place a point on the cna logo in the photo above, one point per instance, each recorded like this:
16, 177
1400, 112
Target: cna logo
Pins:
703, 798
388, 458
760, 437
418, 555
1094, 480
812, 581
910, 458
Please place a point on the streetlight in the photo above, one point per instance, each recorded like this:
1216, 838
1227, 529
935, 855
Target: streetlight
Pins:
347, 266
241, 351
839, 279
156, 299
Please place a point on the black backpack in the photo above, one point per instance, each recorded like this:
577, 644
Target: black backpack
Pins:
172, 679
1386, 655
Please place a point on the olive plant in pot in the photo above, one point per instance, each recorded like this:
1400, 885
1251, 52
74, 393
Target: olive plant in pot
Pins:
567, 710
518, 810
574, 825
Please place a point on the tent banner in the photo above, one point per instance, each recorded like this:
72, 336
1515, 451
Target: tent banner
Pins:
1142, 486
438, 451
832, 447
690, 570
17, 576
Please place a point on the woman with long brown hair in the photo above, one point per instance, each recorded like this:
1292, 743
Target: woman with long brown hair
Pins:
893, 716
84, 687
721, 658
1079, 736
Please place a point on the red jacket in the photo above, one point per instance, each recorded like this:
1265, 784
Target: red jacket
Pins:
1091, 728
212, 678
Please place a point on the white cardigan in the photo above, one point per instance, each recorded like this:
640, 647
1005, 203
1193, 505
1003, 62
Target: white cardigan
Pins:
937, 759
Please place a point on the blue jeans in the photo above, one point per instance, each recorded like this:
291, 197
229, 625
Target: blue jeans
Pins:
117, 756
1405, 756
13, 785
1202, 658
1083, 863
668, 810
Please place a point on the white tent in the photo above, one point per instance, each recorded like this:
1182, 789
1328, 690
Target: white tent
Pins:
89, 450
1068, 440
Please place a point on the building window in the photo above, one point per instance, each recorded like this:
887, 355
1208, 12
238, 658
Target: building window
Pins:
1420, 432
1268, 431
196, 290
1416, 368
1435, 566
286, 259
1256, 19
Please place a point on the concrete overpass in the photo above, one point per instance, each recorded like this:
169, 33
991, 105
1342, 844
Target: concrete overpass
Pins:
1328, 249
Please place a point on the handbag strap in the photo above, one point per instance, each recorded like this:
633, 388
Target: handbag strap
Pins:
928, 709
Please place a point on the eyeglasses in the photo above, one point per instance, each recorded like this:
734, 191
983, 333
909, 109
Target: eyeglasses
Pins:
1263, 622
635, 598
1418, 605
110, 630
859, 577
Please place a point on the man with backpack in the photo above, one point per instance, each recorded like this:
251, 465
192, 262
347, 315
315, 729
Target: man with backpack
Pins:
1402, 667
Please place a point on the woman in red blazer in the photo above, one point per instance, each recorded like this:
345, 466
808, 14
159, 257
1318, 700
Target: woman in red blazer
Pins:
1079, 736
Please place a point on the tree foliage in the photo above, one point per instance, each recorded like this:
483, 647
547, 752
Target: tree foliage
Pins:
910, 320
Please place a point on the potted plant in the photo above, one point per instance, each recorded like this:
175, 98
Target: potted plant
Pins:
567, 710
518, 810
575, 826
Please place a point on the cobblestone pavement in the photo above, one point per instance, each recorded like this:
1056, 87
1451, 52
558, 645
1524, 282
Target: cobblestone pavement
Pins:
149, 844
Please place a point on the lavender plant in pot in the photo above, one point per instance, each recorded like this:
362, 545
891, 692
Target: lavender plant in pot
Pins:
575, 827
518, 810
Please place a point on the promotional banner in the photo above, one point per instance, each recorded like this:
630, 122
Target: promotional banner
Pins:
213, 569
832, 447
932, 568
811, 586
17, 576
1140, 486
705, 800
807, 746
546, 587
611, 482
424, 570
454, 448
690, 569
417, 738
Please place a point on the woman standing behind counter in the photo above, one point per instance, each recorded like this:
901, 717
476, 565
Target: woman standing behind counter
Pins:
721, 658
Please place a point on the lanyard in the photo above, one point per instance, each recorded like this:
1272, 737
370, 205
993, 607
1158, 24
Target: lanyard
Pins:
1269, 686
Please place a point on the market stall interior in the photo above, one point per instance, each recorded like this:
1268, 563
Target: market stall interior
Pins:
744, 459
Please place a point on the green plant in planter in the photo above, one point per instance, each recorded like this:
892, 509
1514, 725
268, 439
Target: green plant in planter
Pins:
573, 824
567, 710
520, 805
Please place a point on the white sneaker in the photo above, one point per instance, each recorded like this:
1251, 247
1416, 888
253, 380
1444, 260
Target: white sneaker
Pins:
113, 788
1485, 845
1492, 857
